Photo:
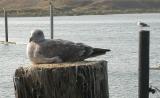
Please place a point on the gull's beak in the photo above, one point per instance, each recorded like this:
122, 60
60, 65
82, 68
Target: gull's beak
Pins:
30, 39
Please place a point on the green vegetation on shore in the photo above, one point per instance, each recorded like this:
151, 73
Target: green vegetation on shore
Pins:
39, 12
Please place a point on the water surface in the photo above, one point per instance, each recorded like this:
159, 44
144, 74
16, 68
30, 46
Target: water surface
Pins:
117, 32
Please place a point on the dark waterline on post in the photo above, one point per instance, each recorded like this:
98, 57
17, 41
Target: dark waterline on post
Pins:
51, 19
144, 37
6, 25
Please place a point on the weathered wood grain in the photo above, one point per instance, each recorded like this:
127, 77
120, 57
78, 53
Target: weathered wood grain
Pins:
87, 79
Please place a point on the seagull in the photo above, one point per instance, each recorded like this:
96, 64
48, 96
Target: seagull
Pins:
45, 51
142, 24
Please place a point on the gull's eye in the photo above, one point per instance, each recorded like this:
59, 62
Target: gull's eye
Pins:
39, 33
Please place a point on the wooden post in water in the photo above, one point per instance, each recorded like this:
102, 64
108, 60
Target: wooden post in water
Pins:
6, 25
86, 79
144, 37
51, 20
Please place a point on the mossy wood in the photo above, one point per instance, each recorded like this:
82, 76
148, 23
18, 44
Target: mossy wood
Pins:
85, 79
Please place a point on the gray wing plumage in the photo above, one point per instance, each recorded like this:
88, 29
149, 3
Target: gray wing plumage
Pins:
68, 51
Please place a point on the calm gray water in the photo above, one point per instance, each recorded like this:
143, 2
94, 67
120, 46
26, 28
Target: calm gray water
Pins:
118, 32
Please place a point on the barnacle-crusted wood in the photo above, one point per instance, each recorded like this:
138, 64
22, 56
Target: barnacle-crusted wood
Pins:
87, 79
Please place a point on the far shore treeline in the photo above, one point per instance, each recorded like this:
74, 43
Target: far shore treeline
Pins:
78, 7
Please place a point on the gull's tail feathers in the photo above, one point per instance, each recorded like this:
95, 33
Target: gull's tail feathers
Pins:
99, 51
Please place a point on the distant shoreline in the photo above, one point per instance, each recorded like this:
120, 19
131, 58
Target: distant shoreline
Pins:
39, 12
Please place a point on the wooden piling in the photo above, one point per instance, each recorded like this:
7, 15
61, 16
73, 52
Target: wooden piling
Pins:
51, 20
65, 80
144, 64
6, 25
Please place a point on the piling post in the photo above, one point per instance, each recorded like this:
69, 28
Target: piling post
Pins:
86, 79
51, 19
144, 37
6, 25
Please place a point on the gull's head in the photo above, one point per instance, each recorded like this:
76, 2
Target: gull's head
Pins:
36, 36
